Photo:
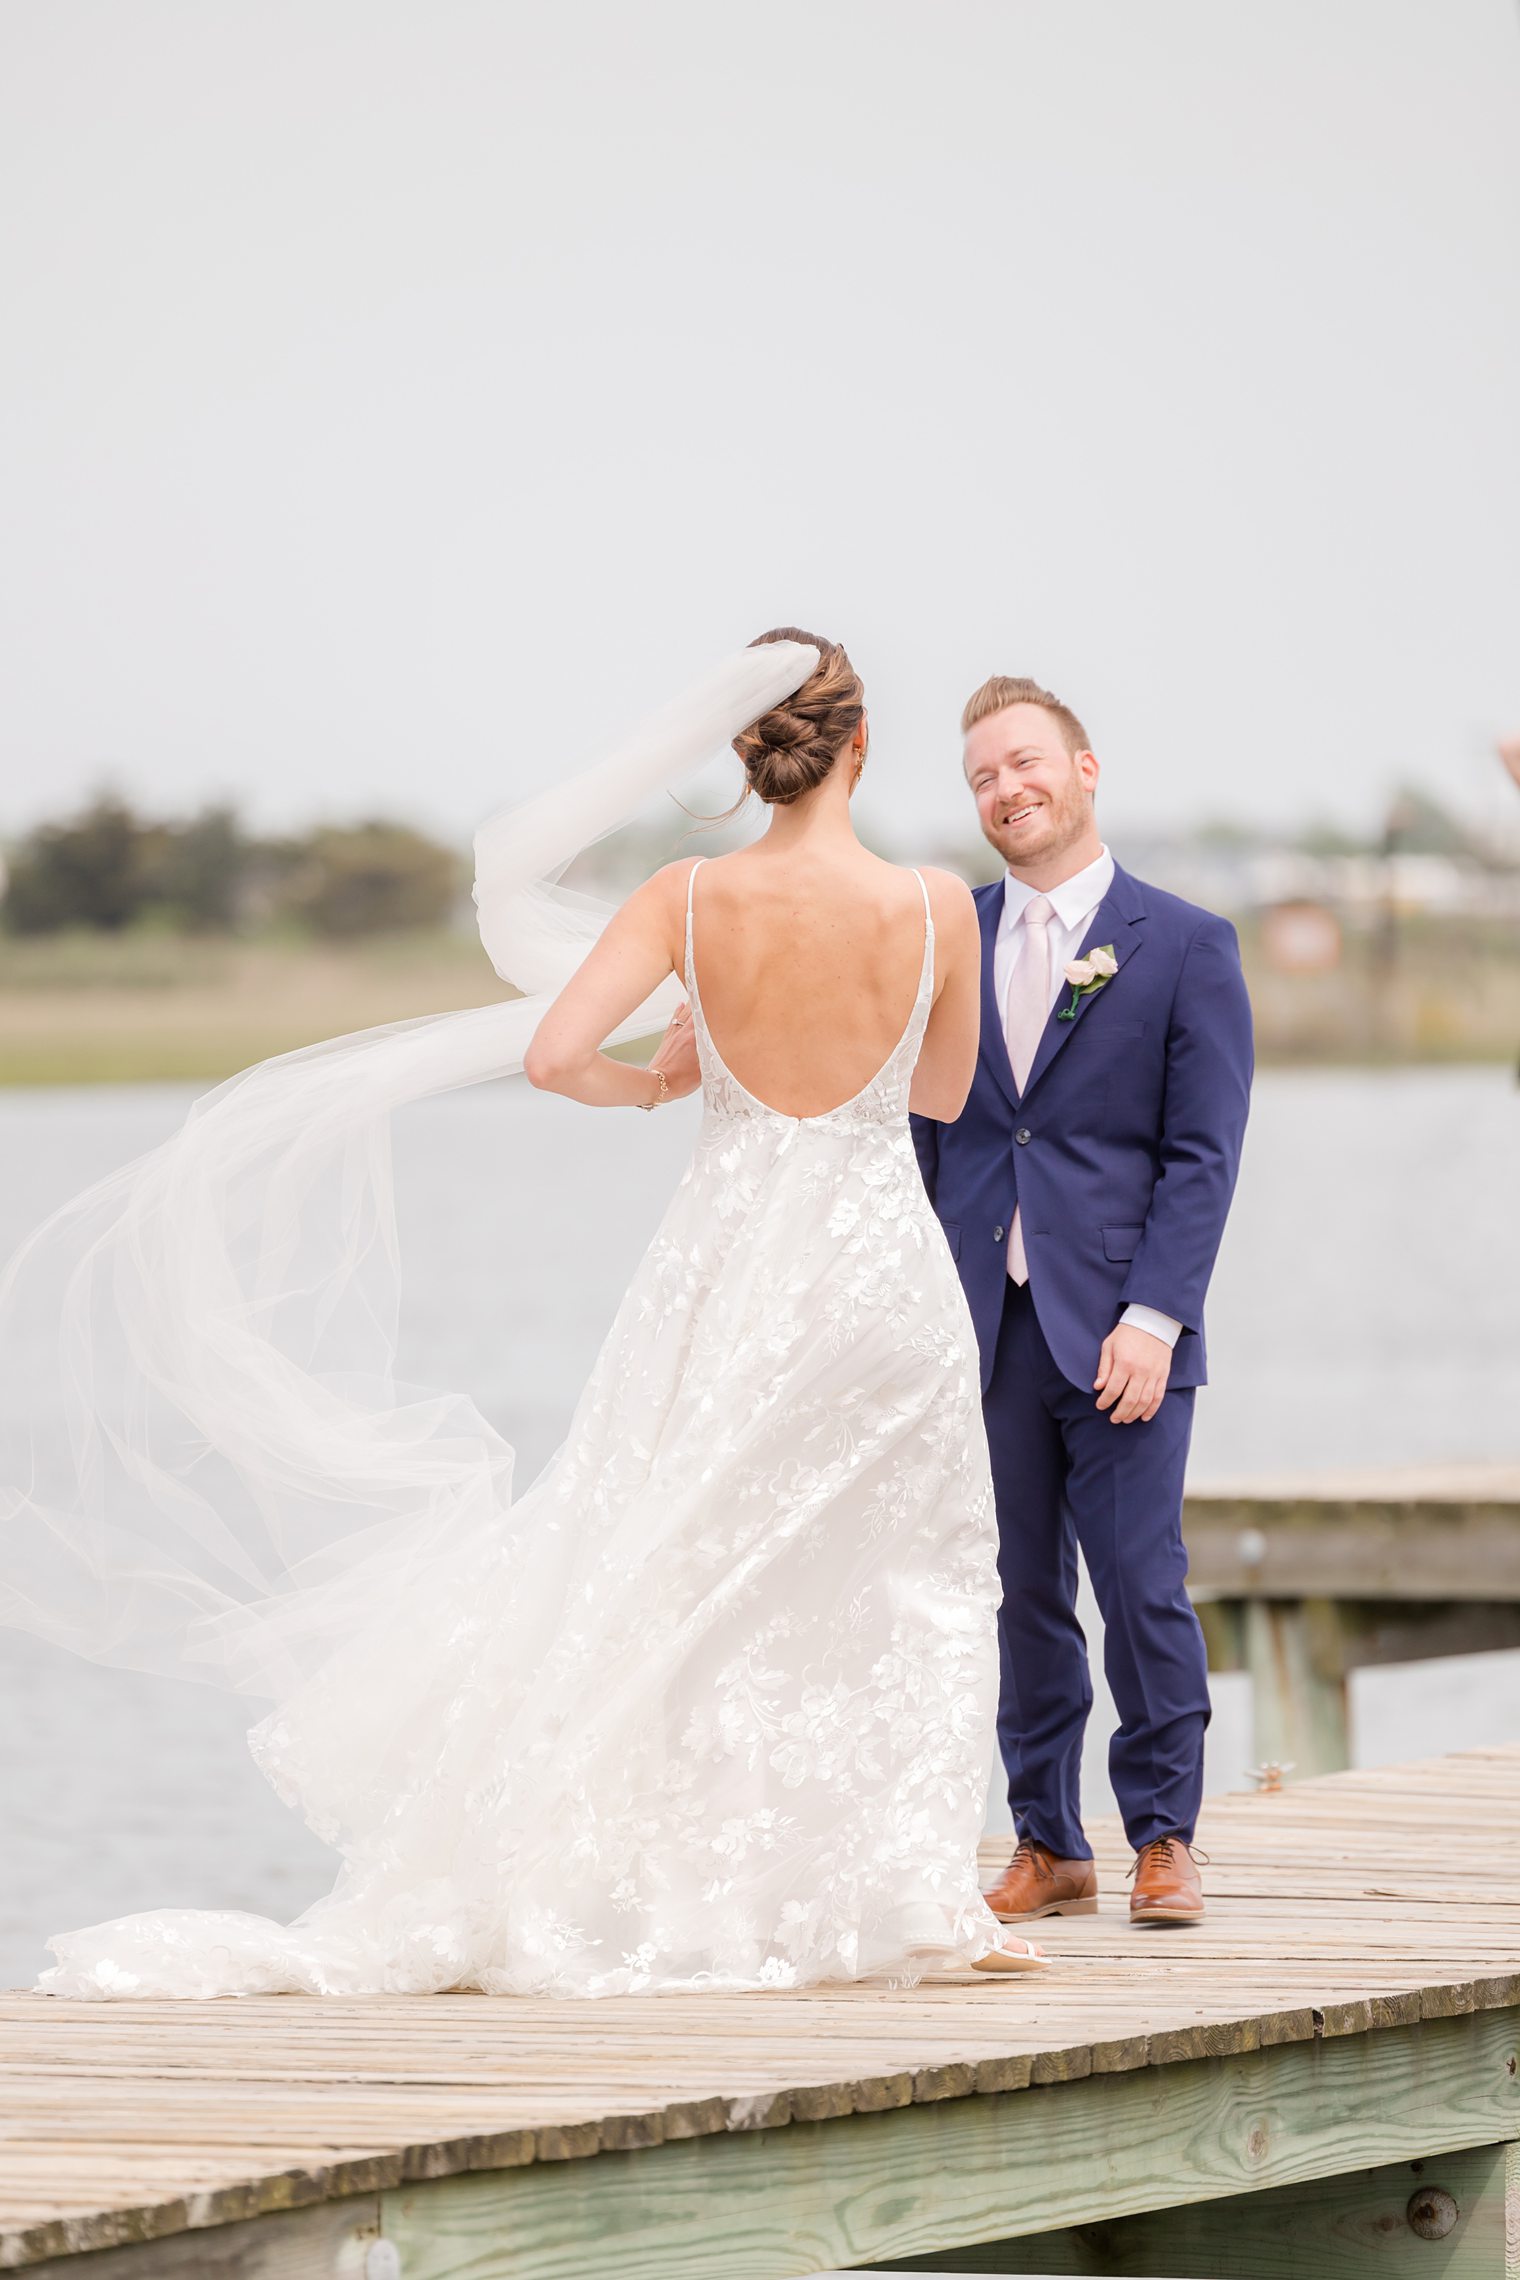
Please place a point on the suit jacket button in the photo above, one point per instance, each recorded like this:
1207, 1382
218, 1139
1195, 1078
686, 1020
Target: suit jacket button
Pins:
1023, 1136
998, 1233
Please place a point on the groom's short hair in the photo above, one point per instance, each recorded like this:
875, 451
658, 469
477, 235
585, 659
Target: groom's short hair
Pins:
1015, 689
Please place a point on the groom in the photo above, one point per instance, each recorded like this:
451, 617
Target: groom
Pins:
1084, 1189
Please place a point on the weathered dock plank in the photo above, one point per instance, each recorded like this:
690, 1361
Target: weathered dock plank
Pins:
977, 2168
1337, 2012
1448, 1533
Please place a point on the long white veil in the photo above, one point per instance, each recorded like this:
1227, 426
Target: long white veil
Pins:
234, 1454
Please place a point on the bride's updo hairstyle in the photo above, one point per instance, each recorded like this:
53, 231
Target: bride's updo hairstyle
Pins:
790, 749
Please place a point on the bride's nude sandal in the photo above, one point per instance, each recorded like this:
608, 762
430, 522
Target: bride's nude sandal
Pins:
1011, 1955
1021, 1955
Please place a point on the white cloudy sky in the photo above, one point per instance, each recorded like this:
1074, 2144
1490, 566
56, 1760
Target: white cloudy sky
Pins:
398, 397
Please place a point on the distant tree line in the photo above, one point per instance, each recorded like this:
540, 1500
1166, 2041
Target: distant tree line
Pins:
108, 867
1413, 824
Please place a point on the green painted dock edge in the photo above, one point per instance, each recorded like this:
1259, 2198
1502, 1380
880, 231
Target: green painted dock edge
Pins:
916, 2182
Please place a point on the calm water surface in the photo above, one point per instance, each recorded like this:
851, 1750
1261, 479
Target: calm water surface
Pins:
1363, 1312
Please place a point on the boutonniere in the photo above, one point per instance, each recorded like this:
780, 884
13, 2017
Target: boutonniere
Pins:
1087, 976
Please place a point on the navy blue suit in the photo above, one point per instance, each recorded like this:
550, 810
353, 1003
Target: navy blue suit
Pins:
1121, 1153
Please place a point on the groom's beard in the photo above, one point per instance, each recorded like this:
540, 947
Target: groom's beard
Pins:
1057, 823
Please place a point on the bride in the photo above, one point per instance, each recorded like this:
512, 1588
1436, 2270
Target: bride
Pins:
709, 1705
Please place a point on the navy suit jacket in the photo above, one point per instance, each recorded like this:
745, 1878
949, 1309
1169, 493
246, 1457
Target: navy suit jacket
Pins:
1123, 1147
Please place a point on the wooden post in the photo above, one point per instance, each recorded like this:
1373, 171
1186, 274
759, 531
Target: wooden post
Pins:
1293, 1651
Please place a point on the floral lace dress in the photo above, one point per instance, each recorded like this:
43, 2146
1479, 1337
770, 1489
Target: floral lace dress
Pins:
712, 1704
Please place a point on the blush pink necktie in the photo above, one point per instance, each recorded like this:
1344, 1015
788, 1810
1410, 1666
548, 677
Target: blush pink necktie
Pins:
1028, 1011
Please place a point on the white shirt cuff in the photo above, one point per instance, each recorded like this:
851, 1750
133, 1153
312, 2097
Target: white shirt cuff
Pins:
1159, 1325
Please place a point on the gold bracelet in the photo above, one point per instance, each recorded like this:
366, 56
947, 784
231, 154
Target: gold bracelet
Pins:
660, 1097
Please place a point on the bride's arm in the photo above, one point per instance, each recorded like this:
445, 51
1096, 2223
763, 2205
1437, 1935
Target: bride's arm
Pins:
635, 953
947, 1058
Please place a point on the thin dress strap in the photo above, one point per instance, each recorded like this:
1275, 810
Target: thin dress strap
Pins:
690, 976
926, 971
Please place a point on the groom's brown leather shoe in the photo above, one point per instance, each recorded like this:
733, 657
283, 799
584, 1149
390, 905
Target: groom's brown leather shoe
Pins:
1168, 1888
1039, 1883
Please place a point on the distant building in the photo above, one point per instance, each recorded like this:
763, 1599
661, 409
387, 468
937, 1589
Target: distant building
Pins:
1301, 937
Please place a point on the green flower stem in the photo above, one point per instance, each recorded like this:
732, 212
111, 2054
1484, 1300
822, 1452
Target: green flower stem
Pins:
1079, 991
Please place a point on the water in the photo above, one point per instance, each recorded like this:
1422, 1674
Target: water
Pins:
1362, 1313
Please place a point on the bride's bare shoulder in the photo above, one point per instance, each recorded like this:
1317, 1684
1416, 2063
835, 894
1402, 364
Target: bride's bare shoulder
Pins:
948, 883
949, 896
656, 910
665, 889
671, 878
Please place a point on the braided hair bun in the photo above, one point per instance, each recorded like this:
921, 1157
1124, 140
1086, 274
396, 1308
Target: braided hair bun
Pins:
790, 749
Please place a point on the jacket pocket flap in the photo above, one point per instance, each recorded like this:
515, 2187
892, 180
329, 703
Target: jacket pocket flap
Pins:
1121, 1242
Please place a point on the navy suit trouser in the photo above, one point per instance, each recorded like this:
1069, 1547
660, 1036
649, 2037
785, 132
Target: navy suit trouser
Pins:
1065, 1475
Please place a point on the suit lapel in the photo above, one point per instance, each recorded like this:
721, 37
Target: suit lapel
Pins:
1120, 920
989, 910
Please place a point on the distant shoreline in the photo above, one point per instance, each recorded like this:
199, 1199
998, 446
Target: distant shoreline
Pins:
144, 1008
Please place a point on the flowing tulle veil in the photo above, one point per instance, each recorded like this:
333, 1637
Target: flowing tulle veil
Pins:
231, 1470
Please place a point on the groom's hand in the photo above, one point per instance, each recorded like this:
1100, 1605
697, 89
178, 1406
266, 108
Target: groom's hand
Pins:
1132, 1372
676, 1054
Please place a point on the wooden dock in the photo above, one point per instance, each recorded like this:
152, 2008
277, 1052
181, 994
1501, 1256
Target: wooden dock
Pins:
1302, 1581
1329, 2063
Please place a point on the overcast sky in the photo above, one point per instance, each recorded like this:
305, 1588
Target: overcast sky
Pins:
397, 399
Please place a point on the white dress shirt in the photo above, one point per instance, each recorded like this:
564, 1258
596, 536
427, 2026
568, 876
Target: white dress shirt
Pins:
1073, 903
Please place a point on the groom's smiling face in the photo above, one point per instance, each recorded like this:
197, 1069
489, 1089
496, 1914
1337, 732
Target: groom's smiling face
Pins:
1034, 797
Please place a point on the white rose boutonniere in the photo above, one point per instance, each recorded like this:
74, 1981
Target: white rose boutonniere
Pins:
1087, 976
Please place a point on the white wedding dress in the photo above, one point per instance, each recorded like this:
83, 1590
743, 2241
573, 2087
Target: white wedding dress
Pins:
710, 1706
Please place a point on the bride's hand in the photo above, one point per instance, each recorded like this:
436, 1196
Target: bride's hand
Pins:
676, 1056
